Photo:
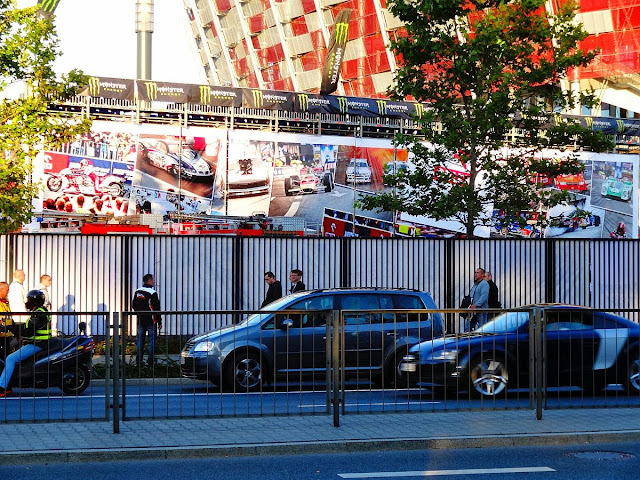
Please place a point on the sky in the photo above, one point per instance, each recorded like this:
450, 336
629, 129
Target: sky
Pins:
98, 37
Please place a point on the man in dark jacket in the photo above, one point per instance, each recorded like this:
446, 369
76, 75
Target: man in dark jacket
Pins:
494, 301
295, 276
35, 333
145, 299
275, 289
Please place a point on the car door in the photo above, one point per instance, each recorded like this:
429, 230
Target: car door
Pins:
571, 346
362, 331
301, 347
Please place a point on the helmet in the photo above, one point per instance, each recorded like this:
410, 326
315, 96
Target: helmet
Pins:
622, 226
35, 299
85, 162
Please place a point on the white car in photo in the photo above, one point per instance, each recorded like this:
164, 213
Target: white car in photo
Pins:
247, 177
359, 171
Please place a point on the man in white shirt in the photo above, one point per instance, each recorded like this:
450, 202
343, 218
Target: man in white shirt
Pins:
18, 296
43, 286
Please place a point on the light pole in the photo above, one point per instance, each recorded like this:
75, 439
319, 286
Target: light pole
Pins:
144, 30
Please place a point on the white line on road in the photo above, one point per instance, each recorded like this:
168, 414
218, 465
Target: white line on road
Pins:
292, 209
436, 473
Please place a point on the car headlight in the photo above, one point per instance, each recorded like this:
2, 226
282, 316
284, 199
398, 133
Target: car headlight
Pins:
445, 355
206, 346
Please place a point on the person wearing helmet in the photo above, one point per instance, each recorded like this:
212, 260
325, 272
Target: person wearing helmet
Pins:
622, 229
86, 168
35, 333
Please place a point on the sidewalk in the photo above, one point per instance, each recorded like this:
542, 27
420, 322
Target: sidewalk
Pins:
184, 438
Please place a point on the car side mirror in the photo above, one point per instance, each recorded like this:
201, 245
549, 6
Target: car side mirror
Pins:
286, 324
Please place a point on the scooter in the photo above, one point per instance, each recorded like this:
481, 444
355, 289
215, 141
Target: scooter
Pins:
66, 364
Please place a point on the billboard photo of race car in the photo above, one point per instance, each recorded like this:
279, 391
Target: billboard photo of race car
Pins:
309, 180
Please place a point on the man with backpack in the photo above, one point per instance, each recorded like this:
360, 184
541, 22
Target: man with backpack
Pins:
145, 299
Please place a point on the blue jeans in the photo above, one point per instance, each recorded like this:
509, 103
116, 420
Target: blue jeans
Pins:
142, 331
28, 351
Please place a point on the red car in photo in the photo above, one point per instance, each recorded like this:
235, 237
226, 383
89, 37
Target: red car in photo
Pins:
572, 182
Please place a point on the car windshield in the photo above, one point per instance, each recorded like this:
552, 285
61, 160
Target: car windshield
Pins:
358, 163
507, 322
279, 304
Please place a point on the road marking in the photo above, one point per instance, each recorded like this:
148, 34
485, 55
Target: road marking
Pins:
436, 473
292, 209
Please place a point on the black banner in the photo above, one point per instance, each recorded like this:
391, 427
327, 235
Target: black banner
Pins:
267, 99
215, 96
309, 102
335, 52
104, 87
610, 126
150, 91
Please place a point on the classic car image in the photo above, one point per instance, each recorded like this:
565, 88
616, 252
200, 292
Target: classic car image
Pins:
585, 348
571, 182
359, 171
617, 188
308, 181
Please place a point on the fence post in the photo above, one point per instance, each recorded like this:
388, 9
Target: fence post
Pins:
328, 358
107, 365
116, 372
539, 364
335, 362
532, 357
550, 271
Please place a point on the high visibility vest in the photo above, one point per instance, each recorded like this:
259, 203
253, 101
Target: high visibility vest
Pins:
44, 334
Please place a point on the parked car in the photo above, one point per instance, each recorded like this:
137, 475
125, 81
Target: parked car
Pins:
267, 346
617, 188
359, 171
584, 348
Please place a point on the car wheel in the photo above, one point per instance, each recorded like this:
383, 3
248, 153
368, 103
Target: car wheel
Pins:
244, 371
326, 181
287, 187
76, 380
488, 376
633, 373
392, 374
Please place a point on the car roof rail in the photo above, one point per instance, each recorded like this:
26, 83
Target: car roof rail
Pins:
398, 289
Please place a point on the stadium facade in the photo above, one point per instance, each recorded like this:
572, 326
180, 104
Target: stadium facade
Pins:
282, 45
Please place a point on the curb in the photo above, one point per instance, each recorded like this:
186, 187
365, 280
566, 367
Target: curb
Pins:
312, 447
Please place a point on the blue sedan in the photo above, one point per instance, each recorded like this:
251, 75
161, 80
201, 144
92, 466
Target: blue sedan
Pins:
583, 348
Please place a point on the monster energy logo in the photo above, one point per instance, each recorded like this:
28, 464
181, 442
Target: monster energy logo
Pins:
48, 6
620, 125
205, 94
342, 32
419, 110
152, 90
382, 106
343, 104
589, 122
303, 101
94, 86
558, 118
258, 98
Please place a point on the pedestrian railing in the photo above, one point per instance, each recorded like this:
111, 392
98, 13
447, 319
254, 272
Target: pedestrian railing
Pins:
332, 362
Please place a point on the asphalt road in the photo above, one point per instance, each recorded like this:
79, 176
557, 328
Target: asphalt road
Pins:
197, 399
566, 462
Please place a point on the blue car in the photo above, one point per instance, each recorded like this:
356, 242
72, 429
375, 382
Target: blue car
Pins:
267, 346
584, 348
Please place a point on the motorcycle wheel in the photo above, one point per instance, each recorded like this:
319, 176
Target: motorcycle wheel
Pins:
114, 189
76, 381
54, 184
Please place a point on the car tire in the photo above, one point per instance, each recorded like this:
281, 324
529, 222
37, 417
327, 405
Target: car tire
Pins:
632, 380
488, 376
287, 187
392, 376
75, 380
244, 371
326, 181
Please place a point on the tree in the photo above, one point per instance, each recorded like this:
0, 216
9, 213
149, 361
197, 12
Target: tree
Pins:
28, 48
483, 68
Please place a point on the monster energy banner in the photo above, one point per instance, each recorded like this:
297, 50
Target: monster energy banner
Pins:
335, 52
104, 87
268, 99
149, 91
372, 107
308, 102
610, 126
216, 96
47, 7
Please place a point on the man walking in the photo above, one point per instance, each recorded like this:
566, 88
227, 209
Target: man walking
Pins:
493, 300
7, 339
145, 299
295, 277
275, 289
18, 295
479, 298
